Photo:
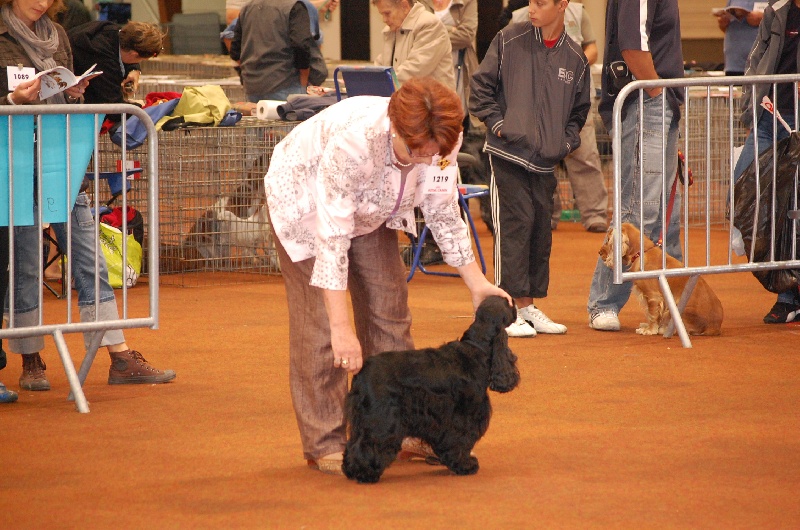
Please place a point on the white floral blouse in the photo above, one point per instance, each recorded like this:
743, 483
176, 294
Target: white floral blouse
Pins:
332, 179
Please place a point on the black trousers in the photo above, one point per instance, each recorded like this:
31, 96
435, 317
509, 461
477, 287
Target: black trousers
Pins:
522, 204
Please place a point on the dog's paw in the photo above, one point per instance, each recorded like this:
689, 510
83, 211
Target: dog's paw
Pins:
467, 467
644, 329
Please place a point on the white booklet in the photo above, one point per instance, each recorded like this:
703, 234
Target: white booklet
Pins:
739, 12
59, 79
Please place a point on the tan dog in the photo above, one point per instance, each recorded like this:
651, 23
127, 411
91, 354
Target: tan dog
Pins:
703, 312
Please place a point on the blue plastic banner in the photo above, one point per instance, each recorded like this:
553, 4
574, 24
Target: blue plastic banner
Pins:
57, 201
22, 168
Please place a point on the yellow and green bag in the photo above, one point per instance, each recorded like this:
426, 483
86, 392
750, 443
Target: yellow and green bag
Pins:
199, 105
111, 242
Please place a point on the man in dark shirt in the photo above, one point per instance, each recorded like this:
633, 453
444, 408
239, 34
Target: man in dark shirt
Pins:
117, 51
276, 58
643, 36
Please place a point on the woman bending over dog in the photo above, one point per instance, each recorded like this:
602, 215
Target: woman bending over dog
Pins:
338, 187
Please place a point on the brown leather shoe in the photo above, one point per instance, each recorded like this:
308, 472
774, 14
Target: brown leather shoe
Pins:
33, 376
130, 368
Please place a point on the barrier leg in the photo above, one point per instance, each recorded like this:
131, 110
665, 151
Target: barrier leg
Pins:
673, 311
88, 359
74, 384
687, 293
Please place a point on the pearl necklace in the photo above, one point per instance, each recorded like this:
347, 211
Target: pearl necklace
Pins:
396, 162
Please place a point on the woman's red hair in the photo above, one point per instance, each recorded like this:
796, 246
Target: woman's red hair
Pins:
423, 110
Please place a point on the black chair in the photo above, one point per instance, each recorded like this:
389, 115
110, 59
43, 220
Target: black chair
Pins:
49, 241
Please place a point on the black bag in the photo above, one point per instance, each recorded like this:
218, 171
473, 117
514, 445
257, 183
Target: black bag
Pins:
745, 203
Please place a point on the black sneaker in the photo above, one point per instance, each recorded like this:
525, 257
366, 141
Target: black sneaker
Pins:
781, 313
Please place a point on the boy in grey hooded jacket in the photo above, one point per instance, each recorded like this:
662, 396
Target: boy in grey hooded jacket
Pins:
532, 92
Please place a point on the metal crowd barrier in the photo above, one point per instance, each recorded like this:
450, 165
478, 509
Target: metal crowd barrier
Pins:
721, 123
62, 140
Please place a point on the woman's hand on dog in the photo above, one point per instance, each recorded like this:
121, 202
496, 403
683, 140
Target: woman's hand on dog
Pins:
479, 287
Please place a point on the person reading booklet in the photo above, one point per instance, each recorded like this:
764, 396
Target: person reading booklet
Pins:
739, 9
54, 80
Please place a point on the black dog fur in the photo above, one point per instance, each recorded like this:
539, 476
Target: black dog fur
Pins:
437, 394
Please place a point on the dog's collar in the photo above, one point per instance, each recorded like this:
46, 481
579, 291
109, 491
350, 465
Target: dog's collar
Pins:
473, 343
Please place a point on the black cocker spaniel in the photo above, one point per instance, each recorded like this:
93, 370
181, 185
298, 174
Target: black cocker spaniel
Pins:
439, 395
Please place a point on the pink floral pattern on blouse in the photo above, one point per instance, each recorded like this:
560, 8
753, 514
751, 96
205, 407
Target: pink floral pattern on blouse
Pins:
332, 179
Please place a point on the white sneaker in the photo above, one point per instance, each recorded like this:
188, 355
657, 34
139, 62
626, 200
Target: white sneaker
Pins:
540, 322
520, 328
606, 320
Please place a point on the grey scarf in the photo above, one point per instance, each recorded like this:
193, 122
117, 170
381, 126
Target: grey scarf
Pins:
40, 45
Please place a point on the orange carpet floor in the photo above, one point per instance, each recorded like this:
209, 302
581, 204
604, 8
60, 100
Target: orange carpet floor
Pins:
609, 430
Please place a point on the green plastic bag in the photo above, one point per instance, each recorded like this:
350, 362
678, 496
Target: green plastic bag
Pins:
111, 243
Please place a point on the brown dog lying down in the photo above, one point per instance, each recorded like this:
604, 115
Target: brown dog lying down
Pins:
703, 312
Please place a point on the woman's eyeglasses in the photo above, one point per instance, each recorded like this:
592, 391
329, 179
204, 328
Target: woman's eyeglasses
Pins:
412, 155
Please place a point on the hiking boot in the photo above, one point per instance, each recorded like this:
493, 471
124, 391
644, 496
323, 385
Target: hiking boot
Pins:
33, 376
781, 313
606, 320
541, 322
520, 328
130, 368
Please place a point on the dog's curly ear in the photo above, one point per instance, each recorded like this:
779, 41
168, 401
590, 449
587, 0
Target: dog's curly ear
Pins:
504, 373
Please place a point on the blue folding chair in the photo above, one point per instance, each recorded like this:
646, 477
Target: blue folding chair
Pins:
465, 192
365, 81
114, 181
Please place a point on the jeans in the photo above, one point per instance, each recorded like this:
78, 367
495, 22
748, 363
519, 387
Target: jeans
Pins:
603, 293
28, 275
765, 138
764, 129
278, 95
